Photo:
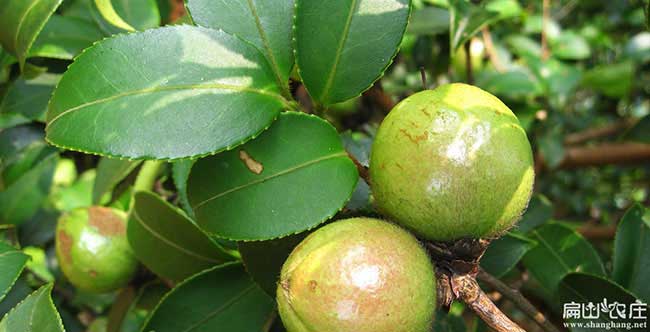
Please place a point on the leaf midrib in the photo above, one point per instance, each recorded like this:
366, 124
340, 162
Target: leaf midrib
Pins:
278, 174
339, 51
21, 22
267, 47
221, 308
213, 86
170, 242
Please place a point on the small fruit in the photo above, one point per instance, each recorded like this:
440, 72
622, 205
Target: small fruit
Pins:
361, 275
452, 163
92, 249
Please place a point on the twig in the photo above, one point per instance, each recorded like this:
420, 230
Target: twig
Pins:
491, 51
545, 20
423, 77
468, 63
363, 170
379, 97
597, 232
606, 154
519, 300
600, 132
469, 291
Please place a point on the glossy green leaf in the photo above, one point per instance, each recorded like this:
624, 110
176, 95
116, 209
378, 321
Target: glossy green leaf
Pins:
157, 229
504, 253
560, 251
429, 21
466, 20
37, 263
8, 120
17, 293
612, 80
539, 211
142, 14
21, 148
109, 173
267, 24
505, 8
293, 177
513, 84
583, 288
210, 92
107, 10
220, 299
20, 23
87, 11
570, 46
524, 46
180, 173
12, 262
264, 259
36, 313
342, 47
65, 37
22, 199
631, 252
29, 98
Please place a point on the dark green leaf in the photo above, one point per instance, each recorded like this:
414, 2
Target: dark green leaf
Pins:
612, 80
539, 212
583, 288
21, 148
157, 229
293, 177
560, 251
513, 84
130, 15
524, 46
221, 299
631, 252
23, 198
109, 173
20, 23
210, 92
504, 253
342, 47
264, 259
264, 23
36, 313
180, 173
29, 98
12, 262
8, 120
466, 20
429, 21
18, 292
65, 37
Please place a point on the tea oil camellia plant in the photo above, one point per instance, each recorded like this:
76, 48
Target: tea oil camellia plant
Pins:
330, 166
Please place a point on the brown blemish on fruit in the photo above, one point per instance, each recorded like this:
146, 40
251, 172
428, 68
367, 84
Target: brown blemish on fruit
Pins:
415, 139
93, 273
252, 164
424, 110
65, 243
312, 285
106, 221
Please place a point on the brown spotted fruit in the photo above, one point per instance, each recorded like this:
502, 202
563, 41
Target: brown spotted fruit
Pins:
358, 275
452, 163
92, 249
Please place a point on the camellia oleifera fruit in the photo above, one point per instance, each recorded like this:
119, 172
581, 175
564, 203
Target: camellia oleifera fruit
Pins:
361, 275
452, 163
92, 249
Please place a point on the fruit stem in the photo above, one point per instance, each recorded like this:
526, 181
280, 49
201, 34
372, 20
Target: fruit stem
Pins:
363, 170
519, 300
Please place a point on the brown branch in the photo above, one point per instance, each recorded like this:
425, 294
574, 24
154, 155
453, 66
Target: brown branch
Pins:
468, 290
606, 154
599, 155
600, 132
379, 97
491, 50
519, 300
593, 232
363, 170
177, 10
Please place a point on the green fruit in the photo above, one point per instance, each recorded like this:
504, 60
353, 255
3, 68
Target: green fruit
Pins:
361, 275
452, 163
92, 249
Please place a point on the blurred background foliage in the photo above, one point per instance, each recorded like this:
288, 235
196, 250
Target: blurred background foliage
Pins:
576, 73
